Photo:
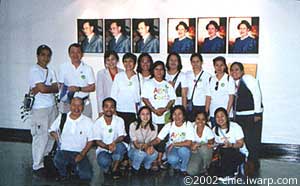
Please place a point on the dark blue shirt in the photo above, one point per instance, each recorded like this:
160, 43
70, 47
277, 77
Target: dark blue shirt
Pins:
183, 46
216, 45
248, 45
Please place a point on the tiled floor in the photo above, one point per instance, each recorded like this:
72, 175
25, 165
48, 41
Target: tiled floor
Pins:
15, 170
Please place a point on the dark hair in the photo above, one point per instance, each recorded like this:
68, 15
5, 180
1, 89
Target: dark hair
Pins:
183, 24
108, 53
205, 116
139, 68
139, 120
76, 45
109, 99
43, 47
239, 64
119, 23
245, 23
129, 55
221, 109
146, 22
178, 107
221, 58
179, 67
196, 55
155, 64
212, 23
79, 98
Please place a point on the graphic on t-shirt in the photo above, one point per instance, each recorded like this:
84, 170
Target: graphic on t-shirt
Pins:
161, 93
177, 137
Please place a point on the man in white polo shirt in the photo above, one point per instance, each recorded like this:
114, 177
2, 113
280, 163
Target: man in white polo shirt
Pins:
43, 85
76, 80
109, 132
74, 141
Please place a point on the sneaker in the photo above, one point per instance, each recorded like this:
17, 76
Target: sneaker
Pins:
116, 175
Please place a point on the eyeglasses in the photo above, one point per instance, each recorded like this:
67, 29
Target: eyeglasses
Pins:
217, 85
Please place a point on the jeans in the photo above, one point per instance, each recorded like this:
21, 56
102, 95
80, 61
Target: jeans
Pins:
64, 158
138, 157
178, 157
105, 159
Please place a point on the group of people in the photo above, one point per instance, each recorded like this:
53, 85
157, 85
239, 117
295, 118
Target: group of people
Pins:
148, 115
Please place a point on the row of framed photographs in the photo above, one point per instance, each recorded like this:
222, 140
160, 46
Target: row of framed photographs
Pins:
237, 35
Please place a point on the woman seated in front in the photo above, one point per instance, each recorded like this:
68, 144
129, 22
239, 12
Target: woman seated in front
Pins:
181, 136
229, 135
202, 146
141, 133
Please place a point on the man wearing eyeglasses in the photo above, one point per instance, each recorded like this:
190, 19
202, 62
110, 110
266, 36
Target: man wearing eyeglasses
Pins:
148, 43
120, 42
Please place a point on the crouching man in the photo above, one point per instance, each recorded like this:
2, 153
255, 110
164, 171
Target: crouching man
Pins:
74, 142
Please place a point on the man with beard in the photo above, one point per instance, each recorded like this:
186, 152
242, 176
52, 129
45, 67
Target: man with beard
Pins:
109, 132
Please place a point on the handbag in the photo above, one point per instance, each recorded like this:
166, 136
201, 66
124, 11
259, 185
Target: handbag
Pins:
190, 101
48, 159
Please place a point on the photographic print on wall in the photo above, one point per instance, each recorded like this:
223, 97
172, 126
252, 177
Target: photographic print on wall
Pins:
181, 35
212, 33
117, 35
243, 35
90, 35
145, 35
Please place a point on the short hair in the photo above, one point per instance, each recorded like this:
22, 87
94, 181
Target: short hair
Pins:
212, 22
245, 23
183, 24
139, 60
43, 47
196, 55
109, 99
79, 98
221, 58
239, 64
178, 107
146, 22
179, 67
129, 56
111, 52
76, 45
155, 64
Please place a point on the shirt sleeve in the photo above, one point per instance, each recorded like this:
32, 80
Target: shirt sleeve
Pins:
132, 132
146, 89
35, 77
115, 88
238, 132
171, 92
164, 131
206, 84
55, 125
97, 134
121, 128
209, 134
184, 83
190, 132
231, 86
91, 76
90, 136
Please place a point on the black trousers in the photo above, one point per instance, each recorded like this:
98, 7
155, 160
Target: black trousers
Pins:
192, 115
252, 132
128, 118
230, 159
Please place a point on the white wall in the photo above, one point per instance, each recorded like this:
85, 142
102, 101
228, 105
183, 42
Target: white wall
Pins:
26, 24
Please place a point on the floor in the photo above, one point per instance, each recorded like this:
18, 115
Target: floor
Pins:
15, 170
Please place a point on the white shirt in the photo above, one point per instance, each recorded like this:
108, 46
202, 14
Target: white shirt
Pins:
81, 76
108, 133
220, 97
234, 134
159, 94
201, 88
180, 79
38, 75
177, 134
126, 92
207, 134
103, 86
75, 133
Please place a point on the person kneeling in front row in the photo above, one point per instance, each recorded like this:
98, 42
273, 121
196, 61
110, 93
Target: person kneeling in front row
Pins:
74, 141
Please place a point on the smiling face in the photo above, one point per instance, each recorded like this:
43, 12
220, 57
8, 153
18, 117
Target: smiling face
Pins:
236, 72
243, 29
145, 63
200, 119
196, 64
75, 54
181, 31
221, 119
129, 64
145, 115
111, 62
178, 117
108, 108
211, 30
159, 73
44, 57
76, 107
